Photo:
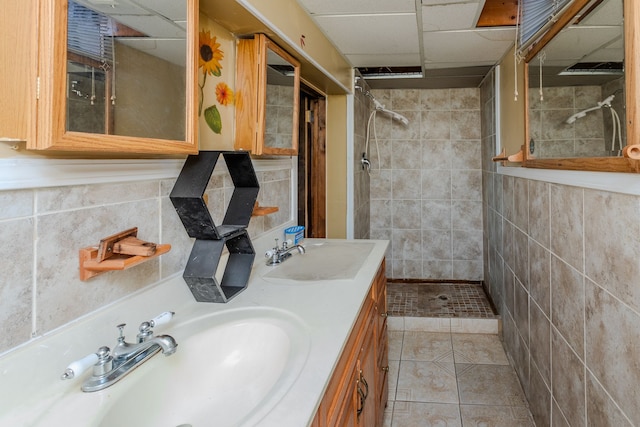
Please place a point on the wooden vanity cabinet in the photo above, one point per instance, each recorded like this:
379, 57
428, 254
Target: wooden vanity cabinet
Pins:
357, 391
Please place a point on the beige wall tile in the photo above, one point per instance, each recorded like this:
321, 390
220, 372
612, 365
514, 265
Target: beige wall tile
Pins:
79, 196
568, 383
601, 410
540, 276
612, 348
567, 304
540, 343
16, 204
566, 224
539, 398
16, 283
612, 240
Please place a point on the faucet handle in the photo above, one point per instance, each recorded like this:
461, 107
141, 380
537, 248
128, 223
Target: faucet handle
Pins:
121, 331
145, 332
162, 319
79, 366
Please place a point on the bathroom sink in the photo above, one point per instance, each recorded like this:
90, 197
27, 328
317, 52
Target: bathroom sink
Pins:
231, 369
324, 260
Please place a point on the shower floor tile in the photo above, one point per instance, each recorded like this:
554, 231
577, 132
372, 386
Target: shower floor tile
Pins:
438, 300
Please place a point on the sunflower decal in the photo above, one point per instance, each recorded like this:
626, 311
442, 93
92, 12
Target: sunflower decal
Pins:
209, 60
210, 55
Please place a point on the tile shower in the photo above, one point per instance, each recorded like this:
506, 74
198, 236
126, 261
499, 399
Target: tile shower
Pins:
426, 193
562, 266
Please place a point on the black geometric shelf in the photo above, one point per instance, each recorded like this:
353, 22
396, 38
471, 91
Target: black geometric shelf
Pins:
188, 191
187, 197
203, 262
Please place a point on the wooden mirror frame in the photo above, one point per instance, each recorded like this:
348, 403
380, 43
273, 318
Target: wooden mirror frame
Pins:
52, 68
632, 94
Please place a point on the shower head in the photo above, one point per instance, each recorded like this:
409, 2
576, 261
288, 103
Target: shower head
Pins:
580, 114
397, 116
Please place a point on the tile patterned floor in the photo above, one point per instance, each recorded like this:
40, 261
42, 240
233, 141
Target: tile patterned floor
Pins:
452, 380
449, 300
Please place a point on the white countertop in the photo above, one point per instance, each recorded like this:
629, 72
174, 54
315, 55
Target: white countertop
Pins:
29, 376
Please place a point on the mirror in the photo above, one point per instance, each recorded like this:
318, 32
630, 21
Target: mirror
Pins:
588, 37
126, 68
281, 103
580, 73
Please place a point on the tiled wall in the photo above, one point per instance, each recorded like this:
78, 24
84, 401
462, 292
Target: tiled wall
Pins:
426, 192
562, 263
361, 178
43, 229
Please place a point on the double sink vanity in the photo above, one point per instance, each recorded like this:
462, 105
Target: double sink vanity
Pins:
304, 344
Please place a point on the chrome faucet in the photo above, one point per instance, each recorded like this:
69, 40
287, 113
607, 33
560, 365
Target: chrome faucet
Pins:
278, 254
111, 366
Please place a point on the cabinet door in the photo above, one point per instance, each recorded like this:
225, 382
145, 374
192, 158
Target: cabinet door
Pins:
18, 41
382, 347
366, 388
267, 98
119, 95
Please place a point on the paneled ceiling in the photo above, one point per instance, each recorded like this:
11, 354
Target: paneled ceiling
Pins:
440, 36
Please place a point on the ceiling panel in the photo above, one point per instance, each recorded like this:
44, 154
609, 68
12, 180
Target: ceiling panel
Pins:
576, 42
372, 34
467, 47
172, 9
333, 7
385, 60
449, 17
608, 13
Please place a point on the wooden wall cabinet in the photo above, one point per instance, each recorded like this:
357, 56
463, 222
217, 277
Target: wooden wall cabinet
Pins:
358, 389
267, 97
41, 73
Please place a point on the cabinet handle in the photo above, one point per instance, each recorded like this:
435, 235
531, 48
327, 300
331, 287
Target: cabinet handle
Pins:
361, 398
362, 395
385, 369
385, 314
366, 386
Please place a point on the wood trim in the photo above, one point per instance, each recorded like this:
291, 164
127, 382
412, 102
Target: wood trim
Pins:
318, 181
632, 88
260, 147
247, 66
597, 164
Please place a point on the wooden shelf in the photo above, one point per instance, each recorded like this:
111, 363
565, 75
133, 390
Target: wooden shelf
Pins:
515, 158
263, 210
90, 266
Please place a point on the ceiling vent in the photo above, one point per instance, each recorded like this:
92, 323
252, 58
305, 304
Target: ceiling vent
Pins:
391, 72
594, 69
